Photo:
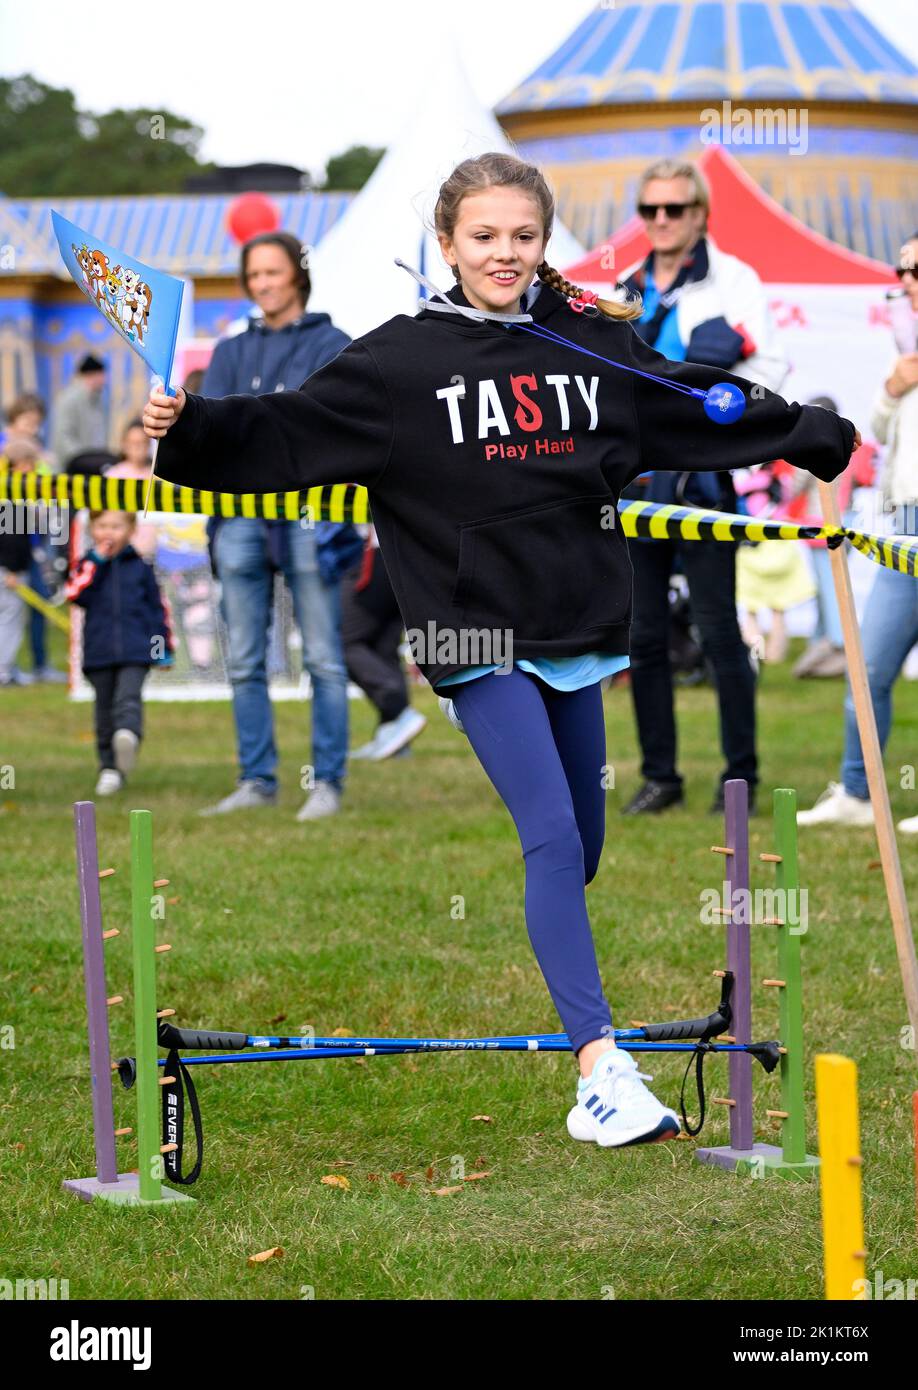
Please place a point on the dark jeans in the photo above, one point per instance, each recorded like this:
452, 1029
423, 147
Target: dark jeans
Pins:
118, 705
371, 630
710, 570
37, 621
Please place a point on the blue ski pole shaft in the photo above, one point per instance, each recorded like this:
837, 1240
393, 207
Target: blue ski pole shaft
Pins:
299, 1054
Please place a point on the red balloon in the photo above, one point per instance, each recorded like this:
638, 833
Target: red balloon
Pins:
250, 214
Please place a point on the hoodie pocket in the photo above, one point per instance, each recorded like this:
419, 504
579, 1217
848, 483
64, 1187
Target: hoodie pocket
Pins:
545, 572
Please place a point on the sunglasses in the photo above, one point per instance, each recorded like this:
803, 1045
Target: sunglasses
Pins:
903, 270
673, 210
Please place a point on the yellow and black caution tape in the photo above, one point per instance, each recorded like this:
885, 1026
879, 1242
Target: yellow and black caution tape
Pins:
348, 502
48, 610
332, 502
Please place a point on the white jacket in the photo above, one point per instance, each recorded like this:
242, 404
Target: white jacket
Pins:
895, 423
732, 290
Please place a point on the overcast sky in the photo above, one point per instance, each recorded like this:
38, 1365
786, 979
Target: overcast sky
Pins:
311, 80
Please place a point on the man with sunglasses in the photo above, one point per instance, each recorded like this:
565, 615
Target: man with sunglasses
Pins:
700, 305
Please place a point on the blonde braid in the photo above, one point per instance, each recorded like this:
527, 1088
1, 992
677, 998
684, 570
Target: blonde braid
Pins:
630, 308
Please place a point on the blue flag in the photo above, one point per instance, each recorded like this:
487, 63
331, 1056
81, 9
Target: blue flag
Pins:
140, 303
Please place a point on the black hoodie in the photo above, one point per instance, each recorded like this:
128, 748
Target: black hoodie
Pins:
494, 462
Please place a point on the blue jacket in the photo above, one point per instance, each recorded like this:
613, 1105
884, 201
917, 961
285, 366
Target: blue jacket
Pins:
124, 611
260, 360
715, 344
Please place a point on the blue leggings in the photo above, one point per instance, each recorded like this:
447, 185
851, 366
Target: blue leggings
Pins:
544, 750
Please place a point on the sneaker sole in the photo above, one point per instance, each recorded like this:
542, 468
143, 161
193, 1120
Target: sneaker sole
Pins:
395, 745
666, 1128
836, 820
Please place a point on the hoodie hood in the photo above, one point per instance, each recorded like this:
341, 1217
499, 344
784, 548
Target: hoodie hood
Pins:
453, 309
306, 320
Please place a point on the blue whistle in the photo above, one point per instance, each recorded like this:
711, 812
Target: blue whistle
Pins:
724, 403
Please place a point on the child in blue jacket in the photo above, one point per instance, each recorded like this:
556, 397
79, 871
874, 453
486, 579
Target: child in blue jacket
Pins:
127, 631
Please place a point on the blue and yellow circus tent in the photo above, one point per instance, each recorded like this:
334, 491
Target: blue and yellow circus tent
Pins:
630, 82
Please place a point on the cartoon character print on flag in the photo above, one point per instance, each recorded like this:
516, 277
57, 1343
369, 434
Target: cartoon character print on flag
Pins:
140, 303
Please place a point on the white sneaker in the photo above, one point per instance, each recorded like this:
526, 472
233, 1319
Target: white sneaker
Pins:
614, 1108
110, 781
324, 800
449, 709
124, 746
909, 826
249, 793
395, 734
836, 807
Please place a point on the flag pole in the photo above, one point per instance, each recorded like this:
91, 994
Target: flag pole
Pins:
157, 381
146, 501
873, 762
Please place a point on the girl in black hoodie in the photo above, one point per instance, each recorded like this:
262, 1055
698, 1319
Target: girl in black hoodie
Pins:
494, 456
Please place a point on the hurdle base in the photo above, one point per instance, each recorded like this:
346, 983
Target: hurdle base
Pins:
123, 1192
759, 1161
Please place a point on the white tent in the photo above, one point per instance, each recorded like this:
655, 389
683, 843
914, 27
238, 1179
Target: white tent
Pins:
353, 270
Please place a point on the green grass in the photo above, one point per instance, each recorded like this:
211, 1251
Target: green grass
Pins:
348, 923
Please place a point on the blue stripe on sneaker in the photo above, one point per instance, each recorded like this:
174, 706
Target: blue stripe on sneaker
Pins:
594, 1100
609, 1112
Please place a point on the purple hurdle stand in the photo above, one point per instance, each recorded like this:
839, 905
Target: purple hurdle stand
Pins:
741, 1154
107, 1183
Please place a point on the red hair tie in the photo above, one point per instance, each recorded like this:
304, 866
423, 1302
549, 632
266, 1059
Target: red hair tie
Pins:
586, 297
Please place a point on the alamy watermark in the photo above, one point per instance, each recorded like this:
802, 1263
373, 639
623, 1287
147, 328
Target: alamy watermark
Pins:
34, 1290
761, 125
34, 518
464, 646
746, 906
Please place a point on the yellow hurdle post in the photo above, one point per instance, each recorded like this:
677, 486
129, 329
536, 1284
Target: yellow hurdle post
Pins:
840, 1177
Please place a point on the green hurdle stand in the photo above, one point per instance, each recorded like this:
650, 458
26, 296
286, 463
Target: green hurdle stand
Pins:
743, 1155
145, 1187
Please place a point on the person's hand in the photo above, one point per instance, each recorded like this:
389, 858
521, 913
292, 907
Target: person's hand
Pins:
858, 441
161, 412
11, 581
904, 375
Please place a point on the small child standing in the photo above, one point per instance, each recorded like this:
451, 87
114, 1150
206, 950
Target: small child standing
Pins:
127, 631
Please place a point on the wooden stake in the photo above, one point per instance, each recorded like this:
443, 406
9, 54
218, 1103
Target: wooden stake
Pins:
106, 873
112, 931
915, 1118
873, 763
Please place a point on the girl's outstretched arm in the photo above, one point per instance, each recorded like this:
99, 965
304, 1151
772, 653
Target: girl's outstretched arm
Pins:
338, 427
677, 435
